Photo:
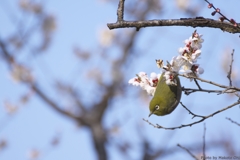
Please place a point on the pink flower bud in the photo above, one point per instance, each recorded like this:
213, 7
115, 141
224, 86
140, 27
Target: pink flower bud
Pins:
210, 5
222, 19
213, 13
232, 21
200, 70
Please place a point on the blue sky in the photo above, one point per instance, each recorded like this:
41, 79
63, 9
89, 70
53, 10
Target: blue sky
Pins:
79, 24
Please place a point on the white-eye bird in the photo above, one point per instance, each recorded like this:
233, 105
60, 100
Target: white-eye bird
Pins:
166, 97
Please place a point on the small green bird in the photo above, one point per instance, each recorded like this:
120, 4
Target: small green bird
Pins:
166, 97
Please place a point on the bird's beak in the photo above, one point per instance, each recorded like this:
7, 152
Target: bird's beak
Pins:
150, 114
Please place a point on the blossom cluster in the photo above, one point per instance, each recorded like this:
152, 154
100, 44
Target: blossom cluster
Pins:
185, 63
148, 84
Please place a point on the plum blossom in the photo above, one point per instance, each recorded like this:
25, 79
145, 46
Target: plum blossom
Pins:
146, 83
170, 78
185, 63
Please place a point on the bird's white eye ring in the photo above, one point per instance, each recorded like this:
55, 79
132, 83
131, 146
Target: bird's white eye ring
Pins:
157, 107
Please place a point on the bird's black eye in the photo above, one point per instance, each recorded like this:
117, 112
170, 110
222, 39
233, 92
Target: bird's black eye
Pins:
157, 107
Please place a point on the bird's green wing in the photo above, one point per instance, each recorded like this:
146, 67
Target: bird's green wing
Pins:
168, 96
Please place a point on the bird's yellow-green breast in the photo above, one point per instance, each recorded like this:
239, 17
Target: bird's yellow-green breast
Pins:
166, 97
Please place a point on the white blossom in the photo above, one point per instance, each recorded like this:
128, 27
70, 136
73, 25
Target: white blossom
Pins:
170, 78
197, 41
196, 69
185, 63
150, 90
134, 81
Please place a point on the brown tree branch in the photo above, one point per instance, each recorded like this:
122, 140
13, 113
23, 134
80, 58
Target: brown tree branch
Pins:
187, 22
233, 121
76, 97
103, 104
228, 89
204, 145
193, 147
199, 87
7, 56
54, 105
189, 152
213, 83
161, 152
230, 69
203, 118
188, 91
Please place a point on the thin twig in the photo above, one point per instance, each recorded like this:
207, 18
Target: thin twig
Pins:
197, 84
204, 133
236, 94
187, 151
231, 27
188, 91
217, 10
210, 82
227, 90
230, 69
233, 121
203, 118
194, 115
196, 76
206, 81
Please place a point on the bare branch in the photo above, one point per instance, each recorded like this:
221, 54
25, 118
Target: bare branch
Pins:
188, 91
6, 55
236, 94
233, 121
203, 118
190, 153
187, 151
194, 115
230, 69
103, 104
204, 133
197, 84
195, 75
187, 22
213, 83
217, 10
231, 27
161, 152
46, 99
75, 95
